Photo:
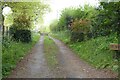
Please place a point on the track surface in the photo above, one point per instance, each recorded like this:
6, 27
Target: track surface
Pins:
34, 65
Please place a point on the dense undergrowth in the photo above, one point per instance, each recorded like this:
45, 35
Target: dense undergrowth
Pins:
13, 52
95, 51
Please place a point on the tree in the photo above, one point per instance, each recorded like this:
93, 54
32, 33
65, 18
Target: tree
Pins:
107, 21
32, 10
54, 26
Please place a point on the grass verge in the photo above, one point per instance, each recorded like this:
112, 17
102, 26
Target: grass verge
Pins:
94, 51
12, 52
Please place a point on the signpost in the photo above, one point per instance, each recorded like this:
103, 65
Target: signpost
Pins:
114, 46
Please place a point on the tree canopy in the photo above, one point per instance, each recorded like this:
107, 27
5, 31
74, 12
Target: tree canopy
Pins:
33, 10
95, 21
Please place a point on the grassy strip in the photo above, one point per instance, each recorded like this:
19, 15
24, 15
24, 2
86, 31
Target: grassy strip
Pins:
50, 50
95, 51
12, 52
63, 36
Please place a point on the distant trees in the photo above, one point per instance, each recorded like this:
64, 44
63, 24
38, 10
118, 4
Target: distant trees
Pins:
54, 26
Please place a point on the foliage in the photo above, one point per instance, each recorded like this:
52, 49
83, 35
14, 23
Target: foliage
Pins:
54, 25
25, 13
70, 15
63, 36
22, 22
13, 52
77, 20
65, 18
100, 29
82, 25
34, 10
93, 22
77, 36
22, 35
107, 21
94, 51
20, 29
97, 52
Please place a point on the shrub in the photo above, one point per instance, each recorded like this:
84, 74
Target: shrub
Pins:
77, 36
12, 31
13, 52
22, 35
22, 22
81, 25
20, 30
89, 35
79, 28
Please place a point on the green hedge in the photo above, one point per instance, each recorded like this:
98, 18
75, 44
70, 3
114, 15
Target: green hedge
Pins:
20, 35
77, 36
13, 52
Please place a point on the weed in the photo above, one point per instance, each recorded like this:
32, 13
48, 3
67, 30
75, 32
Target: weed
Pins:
13, 52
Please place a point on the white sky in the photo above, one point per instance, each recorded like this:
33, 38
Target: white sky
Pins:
58, 5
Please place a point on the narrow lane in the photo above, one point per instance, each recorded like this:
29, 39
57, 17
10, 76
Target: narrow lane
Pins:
33, 65
74, 67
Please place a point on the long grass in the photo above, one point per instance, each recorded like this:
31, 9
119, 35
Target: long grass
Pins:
13, 52
95, 51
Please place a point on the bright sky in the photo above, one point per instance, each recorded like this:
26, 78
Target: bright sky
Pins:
58, 5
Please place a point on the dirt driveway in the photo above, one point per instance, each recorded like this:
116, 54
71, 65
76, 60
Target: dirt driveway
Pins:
34, 65
76, 67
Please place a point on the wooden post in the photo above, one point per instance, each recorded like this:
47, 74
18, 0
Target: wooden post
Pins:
114, 46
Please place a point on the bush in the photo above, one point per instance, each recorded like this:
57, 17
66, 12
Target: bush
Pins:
12, 31
20, 30
96, 51
20, 35
13, 52
89, 35
22, 22
23, 35
77, 36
